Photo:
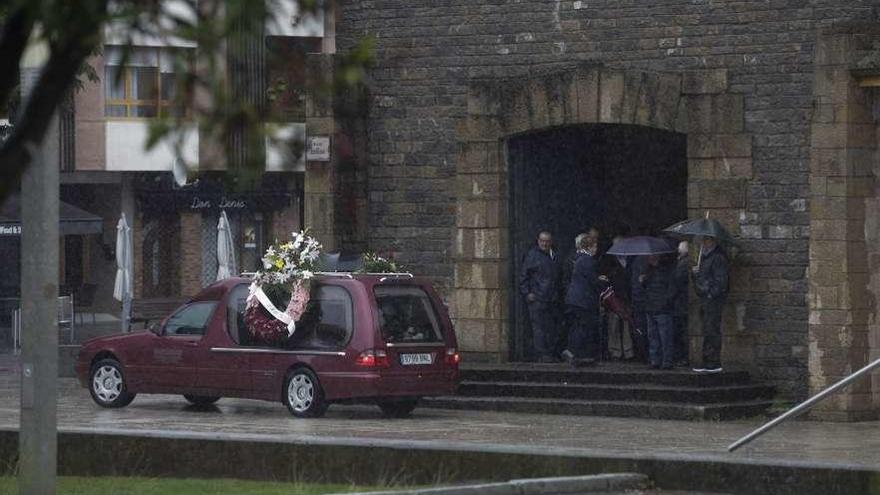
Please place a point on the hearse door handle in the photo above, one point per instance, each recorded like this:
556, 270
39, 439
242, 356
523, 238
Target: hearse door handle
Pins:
192, 344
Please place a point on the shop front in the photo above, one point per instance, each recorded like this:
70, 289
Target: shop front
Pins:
175, 231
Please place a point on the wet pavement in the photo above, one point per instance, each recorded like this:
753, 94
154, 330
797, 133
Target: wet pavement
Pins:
799, 442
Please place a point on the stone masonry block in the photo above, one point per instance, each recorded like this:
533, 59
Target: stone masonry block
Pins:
481, 275
611, 87
469, 333
701, 168
699, 109
682, 124
538, 105
486, 244
733, 145
827, 250
834, 229
704, 82
479, 335
837, 208
483, 99
481, 213
827, 273
727, 193
727, 111
556, 92
478, 128
733, 168
666, 101
646, 108
587, 95
516, 114
569, 89
479, 304
702, 146
477, 186
479, 157
632, 85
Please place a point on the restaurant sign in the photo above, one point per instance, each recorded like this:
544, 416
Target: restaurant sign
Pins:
10, 229
223, 203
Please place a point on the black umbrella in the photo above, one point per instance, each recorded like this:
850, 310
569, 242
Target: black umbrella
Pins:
707, 227
640, 246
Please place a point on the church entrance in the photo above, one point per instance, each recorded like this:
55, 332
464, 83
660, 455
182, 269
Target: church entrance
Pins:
621, 179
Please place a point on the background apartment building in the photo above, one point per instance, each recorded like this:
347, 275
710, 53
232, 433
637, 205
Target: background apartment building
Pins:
106, 170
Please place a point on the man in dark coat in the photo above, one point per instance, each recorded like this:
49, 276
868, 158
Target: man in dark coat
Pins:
635, 267
657, 282
539, 284
582, 307
680, 305
711, 283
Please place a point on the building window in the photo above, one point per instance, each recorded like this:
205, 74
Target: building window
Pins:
139, 84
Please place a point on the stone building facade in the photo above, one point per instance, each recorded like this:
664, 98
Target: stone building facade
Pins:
774, 97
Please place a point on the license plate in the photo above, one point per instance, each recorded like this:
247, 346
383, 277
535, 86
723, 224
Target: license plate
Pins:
416, 359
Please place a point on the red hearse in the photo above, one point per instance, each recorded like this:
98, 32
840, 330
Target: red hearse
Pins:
386, 339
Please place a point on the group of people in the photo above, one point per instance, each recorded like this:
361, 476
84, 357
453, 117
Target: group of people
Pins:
577, 306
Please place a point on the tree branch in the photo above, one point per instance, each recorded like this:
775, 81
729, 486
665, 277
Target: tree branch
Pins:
12, 44
57, 77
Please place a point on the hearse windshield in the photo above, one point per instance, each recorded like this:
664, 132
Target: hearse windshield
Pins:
406, 315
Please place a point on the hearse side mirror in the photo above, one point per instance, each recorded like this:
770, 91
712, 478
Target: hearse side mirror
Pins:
155, 328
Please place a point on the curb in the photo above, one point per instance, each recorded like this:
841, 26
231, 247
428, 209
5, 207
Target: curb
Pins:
538, 486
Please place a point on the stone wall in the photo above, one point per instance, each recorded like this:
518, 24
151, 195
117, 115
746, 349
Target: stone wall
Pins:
843, 204
746, 69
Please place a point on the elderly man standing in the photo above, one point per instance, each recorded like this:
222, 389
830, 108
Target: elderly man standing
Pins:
539, 283
711, 283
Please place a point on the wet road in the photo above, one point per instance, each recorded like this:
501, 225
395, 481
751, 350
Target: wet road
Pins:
854, 444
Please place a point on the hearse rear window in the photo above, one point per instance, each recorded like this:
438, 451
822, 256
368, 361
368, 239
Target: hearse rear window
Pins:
327, 323
406, 315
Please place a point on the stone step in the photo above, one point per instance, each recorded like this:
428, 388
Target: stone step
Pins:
638, 392
630, 409
604, 374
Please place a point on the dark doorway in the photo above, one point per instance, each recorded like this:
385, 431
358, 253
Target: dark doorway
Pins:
623, 179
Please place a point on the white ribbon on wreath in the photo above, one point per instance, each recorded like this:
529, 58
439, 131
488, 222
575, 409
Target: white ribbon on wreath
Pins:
256, 291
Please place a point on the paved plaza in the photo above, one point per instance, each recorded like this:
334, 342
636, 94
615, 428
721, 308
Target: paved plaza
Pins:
799, 442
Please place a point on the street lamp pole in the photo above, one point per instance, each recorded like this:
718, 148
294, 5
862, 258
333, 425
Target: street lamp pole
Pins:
39, 298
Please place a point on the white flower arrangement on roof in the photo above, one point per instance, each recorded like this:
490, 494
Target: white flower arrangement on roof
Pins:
291, 261
283, 282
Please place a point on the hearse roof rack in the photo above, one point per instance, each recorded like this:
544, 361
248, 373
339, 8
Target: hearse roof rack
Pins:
384, 276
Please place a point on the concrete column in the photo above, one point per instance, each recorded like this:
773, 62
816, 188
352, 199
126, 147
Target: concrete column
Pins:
39, 299
841, 179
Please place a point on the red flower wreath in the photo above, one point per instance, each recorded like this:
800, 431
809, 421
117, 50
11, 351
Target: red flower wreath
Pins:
264, 328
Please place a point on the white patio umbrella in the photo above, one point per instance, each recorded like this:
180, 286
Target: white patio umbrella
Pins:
122, 290
225, 249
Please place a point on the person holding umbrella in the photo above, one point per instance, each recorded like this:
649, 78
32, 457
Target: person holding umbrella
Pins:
711, 283
654, 280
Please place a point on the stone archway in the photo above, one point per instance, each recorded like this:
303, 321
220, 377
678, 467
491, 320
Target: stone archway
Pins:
698, 104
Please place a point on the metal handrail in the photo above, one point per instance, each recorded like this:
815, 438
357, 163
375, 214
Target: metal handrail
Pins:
803, 407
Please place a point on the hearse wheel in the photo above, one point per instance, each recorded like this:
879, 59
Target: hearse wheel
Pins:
303, 395
397, 408
200, 400
107, 384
